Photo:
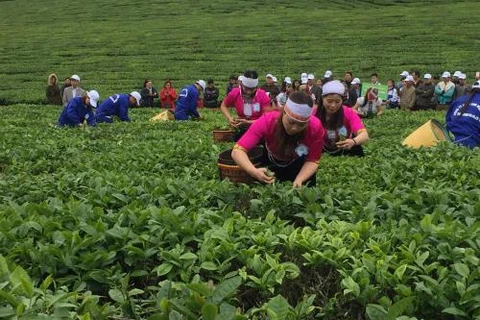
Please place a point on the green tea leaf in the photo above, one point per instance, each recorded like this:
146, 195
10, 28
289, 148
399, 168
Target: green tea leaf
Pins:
462, 269
279, 306
209, 311
226, 289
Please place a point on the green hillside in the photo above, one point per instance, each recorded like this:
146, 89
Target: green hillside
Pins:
113, 46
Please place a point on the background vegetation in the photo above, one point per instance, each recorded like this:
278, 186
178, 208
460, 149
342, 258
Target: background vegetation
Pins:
130, 221
113, 46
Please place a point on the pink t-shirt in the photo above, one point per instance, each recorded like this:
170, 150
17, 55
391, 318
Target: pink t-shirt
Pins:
310, 145
351, 122
252, 110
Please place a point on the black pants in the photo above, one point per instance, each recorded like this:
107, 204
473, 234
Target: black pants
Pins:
355, 151
290, 172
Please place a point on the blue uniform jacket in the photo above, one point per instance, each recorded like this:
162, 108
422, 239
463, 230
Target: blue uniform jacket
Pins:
187, 103
465, 127
75, 113
116, 105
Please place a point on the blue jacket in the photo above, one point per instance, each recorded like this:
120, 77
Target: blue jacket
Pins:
75, 112
187, 103
465, 127
116, 105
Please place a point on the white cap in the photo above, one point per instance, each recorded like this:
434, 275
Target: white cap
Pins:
94, 97
241, 77
333, 86
427, 76
328, 74
446, 74
457, 74
355, 81
75, 77
310, 76
404, 73
137, 96
288, 80
269, 75
274, 79
409, 78
202, 84
462, 76
303, 75
476, 85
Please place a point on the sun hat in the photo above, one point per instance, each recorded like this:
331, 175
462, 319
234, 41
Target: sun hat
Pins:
404, 73
75, 77
202, 84
327, 74
427, 76
94, 97
446, 74
355, 81
333, 87
137, 97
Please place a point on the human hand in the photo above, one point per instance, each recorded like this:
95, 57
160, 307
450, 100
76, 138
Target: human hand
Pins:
233, 122
297, 183
264, 175
346, 144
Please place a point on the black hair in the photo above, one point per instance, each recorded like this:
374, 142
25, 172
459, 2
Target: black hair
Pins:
336, 119
233, 77
350, 73
287, 143
252, 74
374, 74
416, 72
210, 80
467, 102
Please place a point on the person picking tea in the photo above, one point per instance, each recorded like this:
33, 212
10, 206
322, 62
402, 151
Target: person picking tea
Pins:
345, 133
293, 141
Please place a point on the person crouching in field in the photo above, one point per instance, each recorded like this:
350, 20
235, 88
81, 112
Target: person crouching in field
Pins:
463, 118
249, 101
117, 105
293, 143
79, 112
187, 101
370, 105
345, 133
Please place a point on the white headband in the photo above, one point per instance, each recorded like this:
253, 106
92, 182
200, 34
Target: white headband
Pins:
298, 112
249, 82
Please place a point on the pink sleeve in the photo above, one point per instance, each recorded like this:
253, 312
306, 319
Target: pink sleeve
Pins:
265, 101
353, 119
254, 134
229, 99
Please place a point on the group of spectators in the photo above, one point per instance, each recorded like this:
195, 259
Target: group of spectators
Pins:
251, 100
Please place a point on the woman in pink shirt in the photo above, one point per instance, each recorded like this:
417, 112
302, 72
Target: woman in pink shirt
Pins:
249, 102
293, 143
344, 131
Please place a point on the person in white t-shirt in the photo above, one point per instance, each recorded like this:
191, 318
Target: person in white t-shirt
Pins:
370, 105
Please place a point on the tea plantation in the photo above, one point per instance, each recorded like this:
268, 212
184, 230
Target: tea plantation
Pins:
131, 221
